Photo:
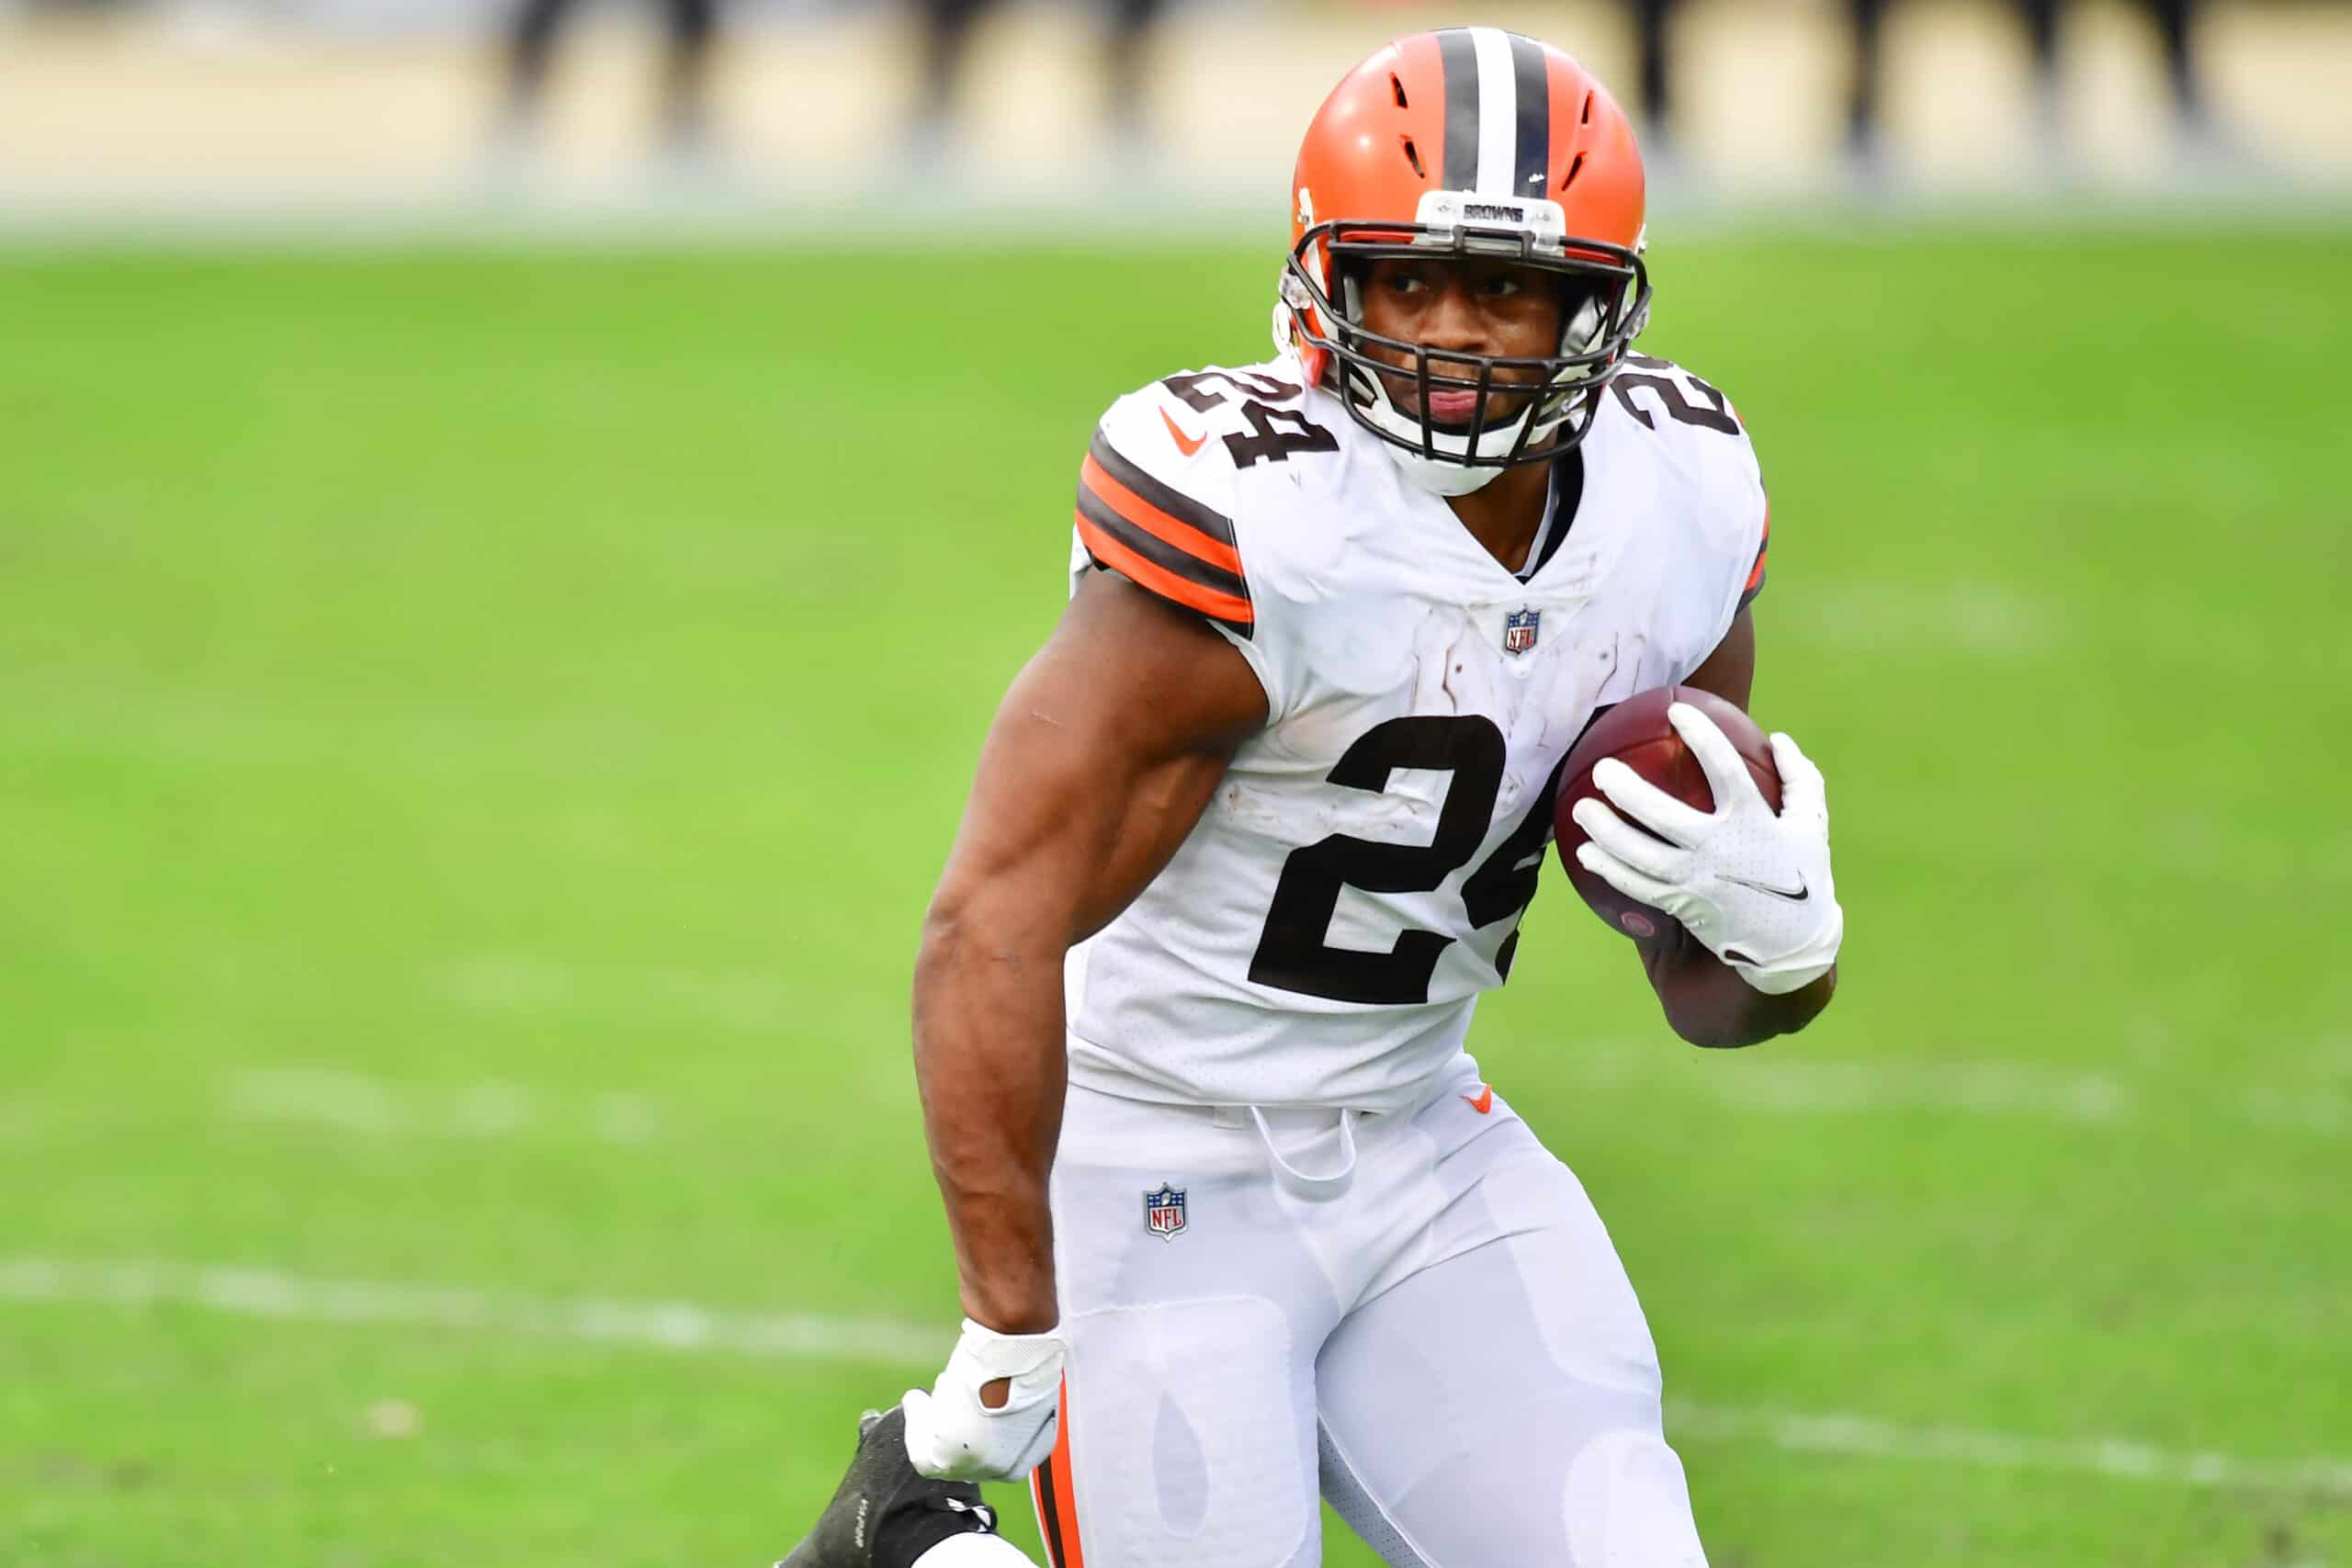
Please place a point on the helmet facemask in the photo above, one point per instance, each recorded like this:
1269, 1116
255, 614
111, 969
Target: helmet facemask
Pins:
1607, 306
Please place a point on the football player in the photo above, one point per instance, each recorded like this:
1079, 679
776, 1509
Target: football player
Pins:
1237, 1220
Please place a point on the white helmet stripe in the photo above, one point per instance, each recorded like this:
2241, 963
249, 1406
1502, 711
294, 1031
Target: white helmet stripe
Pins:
1497, 113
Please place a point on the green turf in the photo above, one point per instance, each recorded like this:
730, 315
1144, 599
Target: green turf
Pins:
562, 673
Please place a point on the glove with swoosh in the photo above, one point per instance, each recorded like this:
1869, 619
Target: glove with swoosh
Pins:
1752, 885
952, 1436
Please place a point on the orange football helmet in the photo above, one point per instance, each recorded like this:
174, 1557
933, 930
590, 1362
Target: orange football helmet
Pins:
1467, 142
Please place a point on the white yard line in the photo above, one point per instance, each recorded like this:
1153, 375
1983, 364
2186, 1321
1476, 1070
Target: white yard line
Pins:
2010, 1091
1973, 1088
2120, 1457
356, 1102
266, 1293
689, 1326
377, 1107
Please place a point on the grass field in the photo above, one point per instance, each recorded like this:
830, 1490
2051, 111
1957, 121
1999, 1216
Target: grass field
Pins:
476, 732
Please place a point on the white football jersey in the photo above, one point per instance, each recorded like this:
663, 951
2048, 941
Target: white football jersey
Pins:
1357, 879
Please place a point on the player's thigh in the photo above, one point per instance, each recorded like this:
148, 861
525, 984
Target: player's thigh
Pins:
1501, 1403
1188, 1431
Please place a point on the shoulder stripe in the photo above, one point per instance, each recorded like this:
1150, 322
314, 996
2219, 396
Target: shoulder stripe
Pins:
1156, 548
1155, 530
1756, 573
1111, 551
1160, 538
1158, 508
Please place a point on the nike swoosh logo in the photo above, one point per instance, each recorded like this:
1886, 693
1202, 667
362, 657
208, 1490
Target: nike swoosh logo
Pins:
1188, 444
1799, 896
1483, 1102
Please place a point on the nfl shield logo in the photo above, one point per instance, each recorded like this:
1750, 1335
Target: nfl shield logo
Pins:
1163, 1212
1519, 629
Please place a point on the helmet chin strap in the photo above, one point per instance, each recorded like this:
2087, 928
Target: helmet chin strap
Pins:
1444, 474
1441, 478
1442, 470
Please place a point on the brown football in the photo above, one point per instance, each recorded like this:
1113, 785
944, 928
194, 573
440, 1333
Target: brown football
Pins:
1636, 733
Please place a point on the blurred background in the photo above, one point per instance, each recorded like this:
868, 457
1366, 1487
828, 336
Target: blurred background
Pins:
513, 520
211, 108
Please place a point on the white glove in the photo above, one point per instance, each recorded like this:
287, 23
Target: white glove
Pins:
1752, 886
951, 1436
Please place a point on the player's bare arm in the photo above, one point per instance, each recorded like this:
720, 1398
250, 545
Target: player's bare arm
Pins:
1098, 763
1706, 1001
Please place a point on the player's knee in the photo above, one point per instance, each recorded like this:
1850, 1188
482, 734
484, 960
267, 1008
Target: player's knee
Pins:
1628, 1506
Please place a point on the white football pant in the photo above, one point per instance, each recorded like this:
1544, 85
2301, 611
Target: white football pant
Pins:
1420, 1316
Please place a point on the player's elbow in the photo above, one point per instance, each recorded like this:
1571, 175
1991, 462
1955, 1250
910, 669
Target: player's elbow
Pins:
956, 907
986, 919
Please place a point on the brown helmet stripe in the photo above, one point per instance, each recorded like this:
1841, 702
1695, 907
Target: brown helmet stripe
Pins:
1532, 77
1458, 53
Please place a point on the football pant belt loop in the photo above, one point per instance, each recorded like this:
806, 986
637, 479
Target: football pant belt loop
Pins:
1314, 1187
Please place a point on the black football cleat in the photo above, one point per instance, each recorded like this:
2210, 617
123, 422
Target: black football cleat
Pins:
887, 1513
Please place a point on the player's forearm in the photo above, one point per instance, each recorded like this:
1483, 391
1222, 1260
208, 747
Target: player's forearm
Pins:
990, 1065
1708, 1004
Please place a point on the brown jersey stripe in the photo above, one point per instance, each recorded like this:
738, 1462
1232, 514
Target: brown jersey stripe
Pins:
1111, 551
1096, 483
1215, 527
1161, 551
1756, 573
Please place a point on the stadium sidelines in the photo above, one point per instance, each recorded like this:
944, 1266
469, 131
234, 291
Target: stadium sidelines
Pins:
692, 1327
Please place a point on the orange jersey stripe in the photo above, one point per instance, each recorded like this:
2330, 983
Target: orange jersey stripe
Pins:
1152, 520
1160, 580
1756, 573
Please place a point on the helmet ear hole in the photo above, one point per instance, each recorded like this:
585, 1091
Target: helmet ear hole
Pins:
1584, 316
